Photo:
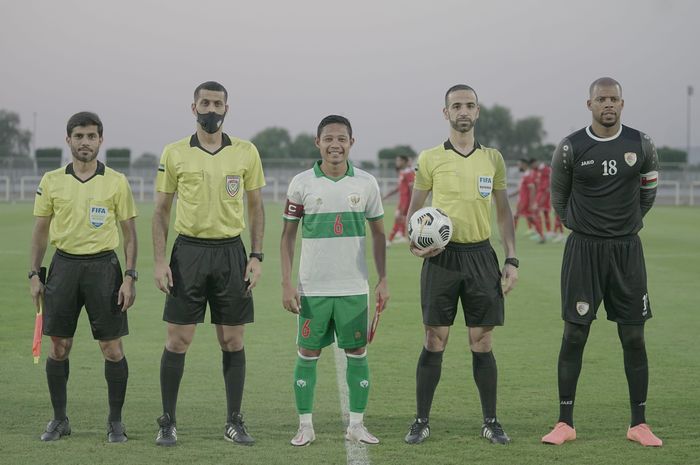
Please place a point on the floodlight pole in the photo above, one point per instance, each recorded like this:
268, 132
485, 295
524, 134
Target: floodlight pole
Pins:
687, 130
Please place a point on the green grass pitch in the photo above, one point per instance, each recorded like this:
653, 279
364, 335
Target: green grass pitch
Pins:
526, 350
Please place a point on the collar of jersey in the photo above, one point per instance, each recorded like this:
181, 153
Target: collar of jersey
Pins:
320, 174
589, 131
225, 142
448, 146
100, 171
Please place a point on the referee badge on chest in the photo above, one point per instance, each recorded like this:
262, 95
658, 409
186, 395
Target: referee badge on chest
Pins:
98, 215
485, 185
233, 184
630, 158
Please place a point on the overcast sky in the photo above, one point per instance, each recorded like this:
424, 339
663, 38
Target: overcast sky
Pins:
383, 64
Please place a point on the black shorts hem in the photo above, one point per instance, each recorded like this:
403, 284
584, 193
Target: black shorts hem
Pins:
630, 323
483, 325
579, 322
181, 323
439, 324
58, 335
111, 338
232, 324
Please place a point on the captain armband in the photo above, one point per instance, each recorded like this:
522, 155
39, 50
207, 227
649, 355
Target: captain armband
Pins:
293, 210
649, 180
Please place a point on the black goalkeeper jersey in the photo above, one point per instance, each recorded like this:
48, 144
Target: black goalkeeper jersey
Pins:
604, 186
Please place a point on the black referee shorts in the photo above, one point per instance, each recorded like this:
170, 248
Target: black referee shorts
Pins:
209, 271
466, 272
608, 270
92, 281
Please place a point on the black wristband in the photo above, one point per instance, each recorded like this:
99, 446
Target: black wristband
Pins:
513, 262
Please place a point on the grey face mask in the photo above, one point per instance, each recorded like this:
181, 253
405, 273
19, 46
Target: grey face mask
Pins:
210, 122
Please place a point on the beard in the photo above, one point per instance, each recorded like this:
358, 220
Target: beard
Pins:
85, 157
463, 126
608, 122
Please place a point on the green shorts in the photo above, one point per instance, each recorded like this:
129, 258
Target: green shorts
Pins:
322, 318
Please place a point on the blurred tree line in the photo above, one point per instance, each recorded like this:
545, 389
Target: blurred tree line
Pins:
496, 127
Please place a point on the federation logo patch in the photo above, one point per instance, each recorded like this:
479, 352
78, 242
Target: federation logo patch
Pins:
485, 186
98, 215
354, 200
630, 158
582, 308
364, 384
233, 184
301, 383
358, 335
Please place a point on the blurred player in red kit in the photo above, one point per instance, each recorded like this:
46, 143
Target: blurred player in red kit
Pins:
404, 188
527, 199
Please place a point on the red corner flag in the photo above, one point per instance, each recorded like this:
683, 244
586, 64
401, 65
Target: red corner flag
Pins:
39, 321
375, 321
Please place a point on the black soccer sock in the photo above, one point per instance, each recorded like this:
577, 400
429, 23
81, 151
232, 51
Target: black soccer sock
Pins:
569, 367
234, 379
172, 365
486, 378
116, 374
57, 378
427, 378
636, 369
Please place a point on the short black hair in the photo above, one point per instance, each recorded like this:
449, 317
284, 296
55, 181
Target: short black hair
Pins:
404, 157
604, 81
210, 85
333, 119
457, 87
84, 118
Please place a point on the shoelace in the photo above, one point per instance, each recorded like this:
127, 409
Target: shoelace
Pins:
496, 428
415, 427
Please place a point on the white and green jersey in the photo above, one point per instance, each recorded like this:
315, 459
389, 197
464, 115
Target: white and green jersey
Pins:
333, 214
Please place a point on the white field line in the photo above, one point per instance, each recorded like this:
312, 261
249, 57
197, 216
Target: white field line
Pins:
356, 452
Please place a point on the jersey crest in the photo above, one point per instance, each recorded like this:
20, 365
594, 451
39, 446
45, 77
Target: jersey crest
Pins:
582, 308
98, 215
630, 158
233, 184
354, 200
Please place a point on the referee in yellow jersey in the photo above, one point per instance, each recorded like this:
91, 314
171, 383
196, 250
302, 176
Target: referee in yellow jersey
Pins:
210, 171
79, 208
465, 179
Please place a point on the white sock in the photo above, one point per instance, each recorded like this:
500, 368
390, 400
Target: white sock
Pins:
305, 419
356, 418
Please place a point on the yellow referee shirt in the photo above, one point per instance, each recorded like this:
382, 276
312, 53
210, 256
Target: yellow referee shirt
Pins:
462, 186
210, 186
85, 213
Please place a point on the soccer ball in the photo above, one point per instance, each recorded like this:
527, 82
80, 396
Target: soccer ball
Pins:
430, 227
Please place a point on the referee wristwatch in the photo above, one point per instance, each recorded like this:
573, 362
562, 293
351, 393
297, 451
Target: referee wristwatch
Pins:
513, 262
258, 255
32, 274
133, 274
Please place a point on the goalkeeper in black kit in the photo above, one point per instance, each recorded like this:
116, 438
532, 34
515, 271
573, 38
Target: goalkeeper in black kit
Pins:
604, 180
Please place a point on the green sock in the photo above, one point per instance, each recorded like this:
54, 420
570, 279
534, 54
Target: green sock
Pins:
305, 383
357, 375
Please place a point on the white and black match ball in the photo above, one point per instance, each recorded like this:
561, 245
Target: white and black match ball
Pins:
430, 227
